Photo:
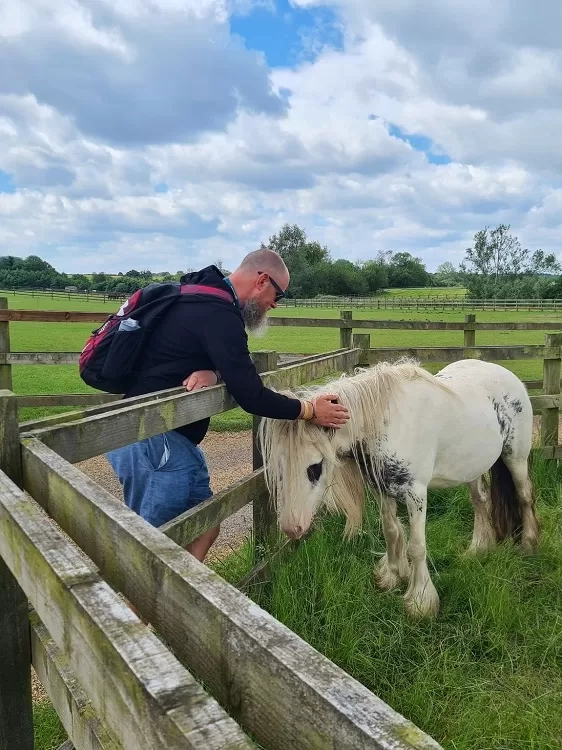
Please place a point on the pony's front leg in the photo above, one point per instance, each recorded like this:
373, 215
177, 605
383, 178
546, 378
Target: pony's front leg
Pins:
421, 597
393, 566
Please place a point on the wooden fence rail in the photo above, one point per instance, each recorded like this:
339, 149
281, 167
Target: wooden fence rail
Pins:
271, 682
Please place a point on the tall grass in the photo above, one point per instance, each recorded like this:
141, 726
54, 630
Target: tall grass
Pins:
487, 674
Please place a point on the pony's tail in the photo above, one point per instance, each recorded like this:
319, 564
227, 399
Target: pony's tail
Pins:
506, 510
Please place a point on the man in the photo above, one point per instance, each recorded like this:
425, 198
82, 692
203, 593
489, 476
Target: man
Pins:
201, 339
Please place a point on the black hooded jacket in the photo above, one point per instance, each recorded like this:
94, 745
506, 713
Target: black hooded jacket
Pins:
207, 333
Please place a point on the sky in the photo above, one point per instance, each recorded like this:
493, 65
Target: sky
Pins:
171, 134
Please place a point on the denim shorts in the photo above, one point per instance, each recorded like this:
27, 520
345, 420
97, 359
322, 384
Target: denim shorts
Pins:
162, 476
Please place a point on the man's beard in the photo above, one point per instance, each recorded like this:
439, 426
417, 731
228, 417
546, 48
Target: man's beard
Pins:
254, 319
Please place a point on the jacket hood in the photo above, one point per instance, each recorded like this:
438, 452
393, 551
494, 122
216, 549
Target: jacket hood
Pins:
210, 276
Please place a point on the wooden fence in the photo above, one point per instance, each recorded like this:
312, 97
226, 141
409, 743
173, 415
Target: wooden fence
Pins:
547, 404
226, 674
394, 302
375, 302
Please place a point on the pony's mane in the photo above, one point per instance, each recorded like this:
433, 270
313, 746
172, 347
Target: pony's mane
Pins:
367, 394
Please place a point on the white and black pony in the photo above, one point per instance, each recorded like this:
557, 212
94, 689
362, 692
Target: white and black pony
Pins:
410, 431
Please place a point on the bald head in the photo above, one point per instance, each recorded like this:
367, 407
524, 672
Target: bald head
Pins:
264, 260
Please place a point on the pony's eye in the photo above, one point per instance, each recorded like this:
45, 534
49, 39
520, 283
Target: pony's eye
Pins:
314, 471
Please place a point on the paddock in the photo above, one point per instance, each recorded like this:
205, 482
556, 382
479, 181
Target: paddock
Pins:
225, 674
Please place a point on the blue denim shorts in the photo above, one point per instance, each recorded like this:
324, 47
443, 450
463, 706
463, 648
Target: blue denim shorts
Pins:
162, 476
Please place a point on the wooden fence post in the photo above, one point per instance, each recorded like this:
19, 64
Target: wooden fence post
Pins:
469, 333
264, 517
362, 341
16, 709
346, 333
551, 385
5, 369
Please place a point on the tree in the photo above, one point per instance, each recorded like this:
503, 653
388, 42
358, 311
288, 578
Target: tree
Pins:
293, 246
375, 275
497, 266
446, 275
405, 271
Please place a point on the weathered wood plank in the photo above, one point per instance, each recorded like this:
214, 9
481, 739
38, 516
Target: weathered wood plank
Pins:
16, 713
451, 354
194, 522
138, 689
292, 376
362, 341
346, 316
277, 686
551, 386
67, 399
469, 331
52, 316
264, 518
541, 402
68, 697
60, 316
417, 325
42, 358
80, 439
115, 403
533, 385
5, 369
549, 452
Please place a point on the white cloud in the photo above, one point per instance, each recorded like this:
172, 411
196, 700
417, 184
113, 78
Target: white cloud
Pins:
109, 102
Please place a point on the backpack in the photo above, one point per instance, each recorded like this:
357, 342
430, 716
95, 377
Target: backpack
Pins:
110, 358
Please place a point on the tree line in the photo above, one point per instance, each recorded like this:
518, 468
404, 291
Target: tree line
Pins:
495, 266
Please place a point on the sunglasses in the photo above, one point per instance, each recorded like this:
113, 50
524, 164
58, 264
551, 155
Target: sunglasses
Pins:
280, 294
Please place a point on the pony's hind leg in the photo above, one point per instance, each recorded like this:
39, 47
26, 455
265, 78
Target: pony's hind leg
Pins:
393, 565
530, 532
483, 535
421, 597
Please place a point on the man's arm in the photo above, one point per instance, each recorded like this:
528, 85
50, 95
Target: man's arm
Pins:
226, 343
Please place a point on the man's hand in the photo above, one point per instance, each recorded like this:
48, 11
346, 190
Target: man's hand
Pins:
200, 379
329, 413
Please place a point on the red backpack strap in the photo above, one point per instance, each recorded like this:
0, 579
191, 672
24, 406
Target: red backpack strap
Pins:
201, 289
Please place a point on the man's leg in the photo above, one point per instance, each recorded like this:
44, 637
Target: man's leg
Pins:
201, 491
200, 546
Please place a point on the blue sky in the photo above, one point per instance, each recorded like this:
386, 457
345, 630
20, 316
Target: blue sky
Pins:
284, 33
184, 132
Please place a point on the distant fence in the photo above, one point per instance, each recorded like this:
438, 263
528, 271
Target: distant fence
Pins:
376, 302
62, 294
391, 302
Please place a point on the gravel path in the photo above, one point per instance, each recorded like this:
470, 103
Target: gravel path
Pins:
229, 457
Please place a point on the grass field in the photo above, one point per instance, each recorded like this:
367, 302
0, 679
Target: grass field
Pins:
71, 337
486, 675
425, 291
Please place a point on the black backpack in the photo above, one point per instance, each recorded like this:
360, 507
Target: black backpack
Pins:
110, 357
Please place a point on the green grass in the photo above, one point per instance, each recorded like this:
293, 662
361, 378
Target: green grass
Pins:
48, 729
71, 337
487, 674
425, 291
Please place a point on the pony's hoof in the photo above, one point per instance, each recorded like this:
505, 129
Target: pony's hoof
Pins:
422, 605
479, 548
385, 579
